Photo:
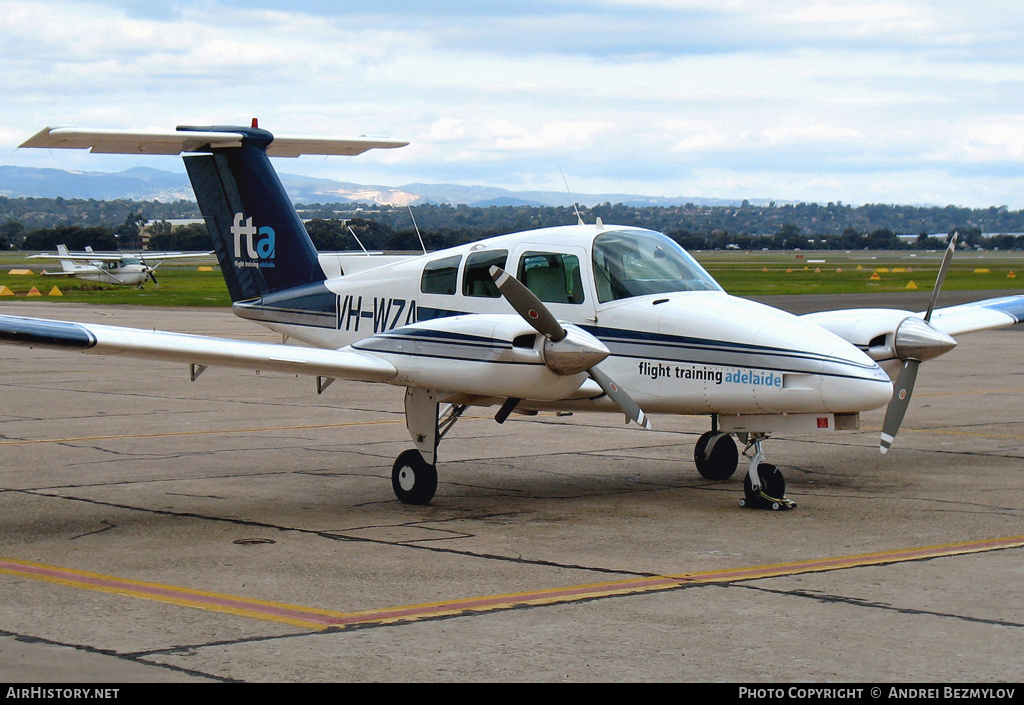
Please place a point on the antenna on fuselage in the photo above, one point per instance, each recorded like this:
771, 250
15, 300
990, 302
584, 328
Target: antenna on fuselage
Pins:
417, 229
357, 238
579, 218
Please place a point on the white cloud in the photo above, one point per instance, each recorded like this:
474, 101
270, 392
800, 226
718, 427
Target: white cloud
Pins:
688, 97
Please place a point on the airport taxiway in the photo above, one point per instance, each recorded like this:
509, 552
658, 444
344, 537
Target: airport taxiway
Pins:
242, 528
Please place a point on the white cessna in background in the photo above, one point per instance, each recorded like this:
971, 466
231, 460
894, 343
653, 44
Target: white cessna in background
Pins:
112, 267
576, 318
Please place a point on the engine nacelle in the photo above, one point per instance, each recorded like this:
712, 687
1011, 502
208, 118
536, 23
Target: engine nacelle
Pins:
886, 335
494, 355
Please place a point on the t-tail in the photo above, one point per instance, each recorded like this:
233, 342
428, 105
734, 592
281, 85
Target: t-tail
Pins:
261, 243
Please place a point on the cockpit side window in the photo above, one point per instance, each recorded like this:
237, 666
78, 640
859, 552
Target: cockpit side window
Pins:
634, 263
553, 277
476, 280
440, 276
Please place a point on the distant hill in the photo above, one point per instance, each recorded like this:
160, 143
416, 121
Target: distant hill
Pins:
145, 184
140, 183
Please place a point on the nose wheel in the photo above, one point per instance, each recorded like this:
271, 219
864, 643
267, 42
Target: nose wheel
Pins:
764, 487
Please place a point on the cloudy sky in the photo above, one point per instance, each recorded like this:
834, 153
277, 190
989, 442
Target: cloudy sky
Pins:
907, 102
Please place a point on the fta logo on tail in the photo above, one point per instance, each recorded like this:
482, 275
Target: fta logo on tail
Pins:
258, 247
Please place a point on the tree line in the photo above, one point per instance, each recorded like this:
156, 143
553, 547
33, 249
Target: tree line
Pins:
337, 226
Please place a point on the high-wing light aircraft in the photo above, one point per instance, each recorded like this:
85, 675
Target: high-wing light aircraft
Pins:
576, 318
112, 267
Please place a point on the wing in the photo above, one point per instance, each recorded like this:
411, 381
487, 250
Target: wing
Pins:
122, 142
91, 257
865, 326
980, 315
193, 349
481, 357
891, 336
161, 256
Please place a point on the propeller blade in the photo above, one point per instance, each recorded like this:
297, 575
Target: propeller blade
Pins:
527, 305
943, 268
625, 402
902, 391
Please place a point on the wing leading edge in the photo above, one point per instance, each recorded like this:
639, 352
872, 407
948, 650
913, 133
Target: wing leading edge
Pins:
193, 349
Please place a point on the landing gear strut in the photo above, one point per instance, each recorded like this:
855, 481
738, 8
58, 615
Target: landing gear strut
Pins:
414, 474
763, 486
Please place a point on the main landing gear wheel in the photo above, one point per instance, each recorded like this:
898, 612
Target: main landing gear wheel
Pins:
413, 479
772, 493
716, 456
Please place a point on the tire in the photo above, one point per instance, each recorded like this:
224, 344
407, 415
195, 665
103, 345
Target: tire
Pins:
724, 456
413, 479
773, 484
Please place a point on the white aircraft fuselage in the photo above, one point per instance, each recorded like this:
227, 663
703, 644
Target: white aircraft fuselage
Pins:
697, 351
576, 318
125, 272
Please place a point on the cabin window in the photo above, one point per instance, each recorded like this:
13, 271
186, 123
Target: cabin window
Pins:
477, 281
553, 277
439, 276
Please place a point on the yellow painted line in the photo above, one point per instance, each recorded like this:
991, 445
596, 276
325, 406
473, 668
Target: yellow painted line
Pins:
319, 619
184, 597
971, 392
207, 432
947, 432
967, 433
211, 432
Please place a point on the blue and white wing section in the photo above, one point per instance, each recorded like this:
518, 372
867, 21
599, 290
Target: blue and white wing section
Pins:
980, 315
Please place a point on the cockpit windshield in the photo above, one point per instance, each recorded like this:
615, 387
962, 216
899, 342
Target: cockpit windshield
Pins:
631, 263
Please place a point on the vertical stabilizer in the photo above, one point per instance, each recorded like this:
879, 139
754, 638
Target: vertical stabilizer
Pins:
65, 264
261, 243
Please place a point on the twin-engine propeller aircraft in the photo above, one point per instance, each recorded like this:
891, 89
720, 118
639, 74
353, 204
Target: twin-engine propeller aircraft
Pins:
112, 267
576, 318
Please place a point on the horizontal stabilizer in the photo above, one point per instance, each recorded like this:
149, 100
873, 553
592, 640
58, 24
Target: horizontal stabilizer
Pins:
127, 142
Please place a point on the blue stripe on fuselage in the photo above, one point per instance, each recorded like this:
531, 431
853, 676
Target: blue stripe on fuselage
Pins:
663, 348
441, 345
690, 350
